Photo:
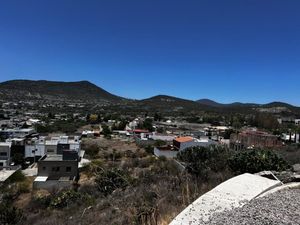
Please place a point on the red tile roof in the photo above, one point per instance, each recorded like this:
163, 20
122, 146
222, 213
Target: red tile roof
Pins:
184, 139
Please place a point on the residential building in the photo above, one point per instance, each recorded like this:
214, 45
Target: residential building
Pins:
293, 137
254, 139
57, 171
56, 145
5, 154
180, 144
58, 167
35, 148
16, 133
161, 137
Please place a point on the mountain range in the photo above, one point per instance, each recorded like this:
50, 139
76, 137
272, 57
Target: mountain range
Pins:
85, 91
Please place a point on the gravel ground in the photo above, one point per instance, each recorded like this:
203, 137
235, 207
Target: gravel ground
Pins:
280, 208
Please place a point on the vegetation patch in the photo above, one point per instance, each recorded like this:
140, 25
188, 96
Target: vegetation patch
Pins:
253, 161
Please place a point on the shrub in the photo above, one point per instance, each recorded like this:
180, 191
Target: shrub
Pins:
108, 180
18, 176
159, 143
92, 151
23, 187
254, 161
63, 199
9, 214
149, 149
200, 160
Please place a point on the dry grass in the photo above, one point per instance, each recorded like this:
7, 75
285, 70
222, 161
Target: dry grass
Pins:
158, 192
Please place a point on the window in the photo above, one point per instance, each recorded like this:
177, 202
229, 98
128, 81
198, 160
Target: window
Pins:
3, 153
68, 169
55, 169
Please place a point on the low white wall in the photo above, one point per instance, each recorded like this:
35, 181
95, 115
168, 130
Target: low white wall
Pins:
51, 185
167, 154
233, 193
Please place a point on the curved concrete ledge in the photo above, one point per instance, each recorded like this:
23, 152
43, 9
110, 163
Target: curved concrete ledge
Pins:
233, 193
280, 188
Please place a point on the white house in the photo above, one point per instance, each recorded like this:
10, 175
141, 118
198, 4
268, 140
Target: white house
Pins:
180, 144
56, 145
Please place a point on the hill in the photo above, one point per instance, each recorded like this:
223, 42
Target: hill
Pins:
54, 90
87, 92
209, 102
170, 103
234, 104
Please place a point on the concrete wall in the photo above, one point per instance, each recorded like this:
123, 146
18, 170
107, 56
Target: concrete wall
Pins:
167, 154
52, 185
29, 150
62, 147
47, 168
5, 149
186, 145
51, 149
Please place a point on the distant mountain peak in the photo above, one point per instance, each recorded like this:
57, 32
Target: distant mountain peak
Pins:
209, 102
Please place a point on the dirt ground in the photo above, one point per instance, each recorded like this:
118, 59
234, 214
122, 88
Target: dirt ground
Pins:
120, 145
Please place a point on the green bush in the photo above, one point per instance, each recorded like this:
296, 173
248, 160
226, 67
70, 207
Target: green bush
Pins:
159, 143
9, 214
200, 160
254, 161
23, 187
149, 149
92, 151
18, 176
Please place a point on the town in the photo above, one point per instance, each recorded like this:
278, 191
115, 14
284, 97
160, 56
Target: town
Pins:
61, 152
182, 112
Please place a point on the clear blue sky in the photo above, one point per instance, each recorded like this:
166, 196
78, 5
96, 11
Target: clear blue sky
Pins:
242, 50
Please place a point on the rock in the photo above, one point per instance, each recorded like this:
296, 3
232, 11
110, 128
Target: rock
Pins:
296, 168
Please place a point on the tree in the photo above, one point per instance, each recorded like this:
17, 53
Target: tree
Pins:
200, 160
157, 117
18, 158
147, 124
236, 123
51, 115
106, 131
253, 161
228, 133
99, 119
93, 118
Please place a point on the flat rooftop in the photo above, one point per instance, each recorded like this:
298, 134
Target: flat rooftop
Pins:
7, 144
53, 158
56, 157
